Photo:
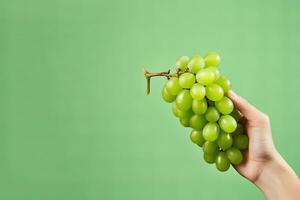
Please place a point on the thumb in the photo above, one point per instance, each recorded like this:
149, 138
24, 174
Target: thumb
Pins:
248, 110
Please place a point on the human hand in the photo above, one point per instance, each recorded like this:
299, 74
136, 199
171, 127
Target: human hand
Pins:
262, 164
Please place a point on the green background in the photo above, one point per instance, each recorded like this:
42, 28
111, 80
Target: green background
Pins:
74, 119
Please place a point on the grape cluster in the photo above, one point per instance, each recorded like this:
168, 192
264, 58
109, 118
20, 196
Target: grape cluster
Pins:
198, 92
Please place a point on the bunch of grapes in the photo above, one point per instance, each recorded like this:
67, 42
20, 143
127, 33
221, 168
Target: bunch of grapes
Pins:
197, 92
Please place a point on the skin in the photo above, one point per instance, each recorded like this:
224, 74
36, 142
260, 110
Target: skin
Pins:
263, 165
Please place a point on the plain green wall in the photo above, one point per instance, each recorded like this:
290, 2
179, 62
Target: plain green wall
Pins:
75, 123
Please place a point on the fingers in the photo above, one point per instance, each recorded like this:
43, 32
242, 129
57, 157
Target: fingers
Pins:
247, 110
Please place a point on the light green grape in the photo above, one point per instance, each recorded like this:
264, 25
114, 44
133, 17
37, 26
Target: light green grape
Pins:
184, 100
185, 121
197, 91
227, 123
222, 162
225, 105
211, 131
212, 114
234, 155
197, 122
215, 70
224, 140
199, 107
175, 110
210, 147
187, 80
205, 77
210, 158
197, 137
196, 63
167, 96
241, 141
214, 92
224, 83
236, 115
212, 59
173, 86
182, 62
239, 130
183, 114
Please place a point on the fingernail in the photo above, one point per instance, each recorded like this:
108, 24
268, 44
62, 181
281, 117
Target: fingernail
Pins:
232, 94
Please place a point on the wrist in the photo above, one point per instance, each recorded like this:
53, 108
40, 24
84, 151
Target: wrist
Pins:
277, 179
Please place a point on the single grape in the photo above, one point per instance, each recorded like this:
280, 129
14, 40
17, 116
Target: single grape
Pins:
182, 114
210, 158
196, 63
211, 131
175, 110
236, 114
197, 137
241, 141
234, 155
197, 91
224, 83
197, 122
212, 59
184, 100
187, 80
227, 123
185, 121
212, 114
239, 130
205, 77
182, 62
214, 92
225, 105
210, 147
224, 140
215, 70
199, 106
222, 162
167, 96
172, 86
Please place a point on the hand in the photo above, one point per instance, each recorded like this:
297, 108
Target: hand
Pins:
262, 164
261, 147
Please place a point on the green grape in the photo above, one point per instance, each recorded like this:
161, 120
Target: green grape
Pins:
187, 80
199, 106
183, 114
222, 162
196, 63
225, 105
205, 77
224, 140
241, 141
182, 62
172, 86
212, 114
210, 158
197, 137
224, 83
236, 115
239, 130
227, 123
211, 131
214, 92
184, 100
215, 70
175, 110
185, 121
197, 91
234, 155
167, 96
197, 122
210, 147
212, 59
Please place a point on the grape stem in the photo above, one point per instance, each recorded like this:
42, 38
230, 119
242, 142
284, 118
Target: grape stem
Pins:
166, 74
